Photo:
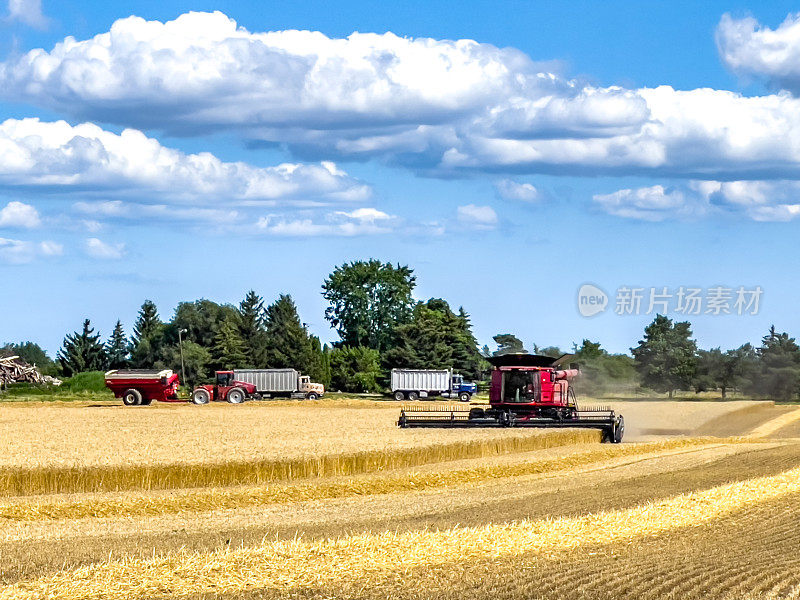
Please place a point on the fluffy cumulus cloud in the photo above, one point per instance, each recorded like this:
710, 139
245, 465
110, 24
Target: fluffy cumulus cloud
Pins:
18, 214
758, 52
361, 221
97, 248
436, 105
655, 203
58, 156
774, 200
478, 217
512, 190
28, 12
21, 252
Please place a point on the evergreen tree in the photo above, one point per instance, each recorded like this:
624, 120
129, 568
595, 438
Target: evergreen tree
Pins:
148, 338
436, 338
252, 324
508, 343
117, 348
368, 300
778, 375
287, 341
228, 351
82, 351
666, 358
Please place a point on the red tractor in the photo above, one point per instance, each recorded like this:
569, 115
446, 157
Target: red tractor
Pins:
527, 390
225, 387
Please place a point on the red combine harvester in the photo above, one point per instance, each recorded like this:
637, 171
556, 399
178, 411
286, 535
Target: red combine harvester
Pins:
527, 390
142, 386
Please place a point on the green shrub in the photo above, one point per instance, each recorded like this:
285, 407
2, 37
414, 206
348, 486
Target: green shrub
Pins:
90, 381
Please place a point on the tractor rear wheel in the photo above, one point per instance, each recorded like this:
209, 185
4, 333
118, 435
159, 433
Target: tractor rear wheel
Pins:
201, 396
413, 396
236, 396
399, 396
132, 397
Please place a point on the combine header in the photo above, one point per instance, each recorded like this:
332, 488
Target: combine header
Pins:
527, 390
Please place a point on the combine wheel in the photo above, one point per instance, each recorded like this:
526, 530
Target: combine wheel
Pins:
399, 396
201, 396
507, 419
132, 397
312, 396
236, 396
476, 413
464, 396
413, 396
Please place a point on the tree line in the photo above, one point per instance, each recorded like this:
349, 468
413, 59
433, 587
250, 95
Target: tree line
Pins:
380, 327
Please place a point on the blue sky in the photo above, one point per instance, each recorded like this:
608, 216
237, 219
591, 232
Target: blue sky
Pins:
185, 156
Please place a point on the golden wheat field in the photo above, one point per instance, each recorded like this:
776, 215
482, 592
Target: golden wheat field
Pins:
315, 500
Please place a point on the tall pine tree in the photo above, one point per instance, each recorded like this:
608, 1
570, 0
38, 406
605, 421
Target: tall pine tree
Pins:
228, 351
82, 351
117, 348
148, 337
252, 325
288, 344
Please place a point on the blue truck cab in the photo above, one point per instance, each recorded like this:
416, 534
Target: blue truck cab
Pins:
463, 390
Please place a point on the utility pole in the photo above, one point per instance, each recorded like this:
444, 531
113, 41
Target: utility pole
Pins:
180, 345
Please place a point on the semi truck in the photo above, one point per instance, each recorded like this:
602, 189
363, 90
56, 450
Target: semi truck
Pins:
242, 384
142, 386
425, 383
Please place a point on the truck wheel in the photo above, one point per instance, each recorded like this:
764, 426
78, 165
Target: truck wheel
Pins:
201, 396
413, 396
312, 396
464, 397
399, 396
132, 397
235, 396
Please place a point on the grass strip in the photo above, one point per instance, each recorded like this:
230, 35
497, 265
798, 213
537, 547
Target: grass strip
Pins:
370, 560
192, 501
19, 481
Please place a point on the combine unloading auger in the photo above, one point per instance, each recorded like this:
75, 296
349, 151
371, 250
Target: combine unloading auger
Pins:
527, 390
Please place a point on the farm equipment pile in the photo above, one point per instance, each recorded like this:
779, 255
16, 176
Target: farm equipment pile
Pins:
527, 390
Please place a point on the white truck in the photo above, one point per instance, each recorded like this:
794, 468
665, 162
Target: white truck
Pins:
426, 383
280, 383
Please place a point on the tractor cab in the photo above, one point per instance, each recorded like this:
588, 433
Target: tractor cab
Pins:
224, 379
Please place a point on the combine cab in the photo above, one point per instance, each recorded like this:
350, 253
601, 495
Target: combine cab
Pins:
527, 390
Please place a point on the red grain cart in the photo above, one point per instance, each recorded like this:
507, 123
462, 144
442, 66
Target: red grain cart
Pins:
142, 386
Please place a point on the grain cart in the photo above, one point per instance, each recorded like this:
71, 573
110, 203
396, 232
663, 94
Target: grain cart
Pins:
280, 383
142, 386
527, 390
427, 383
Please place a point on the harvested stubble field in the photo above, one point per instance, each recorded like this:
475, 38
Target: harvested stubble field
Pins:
702, 503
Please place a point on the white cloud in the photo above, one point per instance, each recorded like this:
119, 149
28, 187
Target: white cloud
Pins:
99, 249
28, 12
56, 155
154, 213
362, 221
655, 203
22, 252
479, 217
772, 200
17, 214
512, 190
758, 52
